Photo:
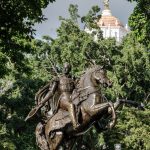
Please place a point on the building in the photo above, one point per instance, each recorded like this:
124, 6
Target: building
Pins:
110, 25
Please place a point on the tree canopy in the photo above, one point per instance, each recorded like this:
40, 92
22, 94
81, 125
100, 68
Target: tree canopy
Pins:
139, 21
16, 28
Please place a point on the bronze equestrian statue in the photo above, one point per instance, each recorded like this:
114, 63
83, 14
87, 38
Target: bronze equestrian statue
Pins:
64, 86
77, 108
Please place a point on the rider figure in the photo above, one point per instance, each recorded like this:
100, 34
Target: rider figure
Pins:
65, 84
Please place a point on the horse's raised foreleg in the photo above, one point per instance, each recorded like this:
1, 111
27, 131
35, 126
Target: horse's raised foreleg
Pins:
95, 109
98, 109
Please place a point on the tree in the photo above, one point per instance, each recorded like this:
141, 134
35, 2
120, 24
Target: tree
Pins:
17, 83
130, 76
139, 21
16, 28
16, 99
73, 10
131, 70
72, 43
18, 17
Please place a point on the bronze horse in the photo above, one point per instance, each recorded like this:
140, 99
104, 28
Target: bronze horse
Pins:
91, 106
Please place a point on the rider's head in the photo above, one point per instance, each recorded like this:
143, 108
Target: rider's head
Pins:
66, 68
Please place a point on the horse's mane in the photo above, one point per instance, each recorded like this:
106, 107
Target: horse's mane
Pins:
88, 71
93, 69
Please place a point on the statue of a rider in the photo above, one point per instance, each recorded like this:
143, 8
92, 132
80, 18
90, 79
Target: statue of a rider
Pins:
64, 85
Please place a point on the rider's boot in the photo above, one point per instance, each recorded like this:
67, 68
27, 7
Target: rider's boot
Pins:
73, 116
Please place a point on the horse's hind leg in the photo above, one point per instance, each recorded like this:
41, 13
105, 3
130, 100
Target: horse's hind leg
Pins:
40, 137
55, 141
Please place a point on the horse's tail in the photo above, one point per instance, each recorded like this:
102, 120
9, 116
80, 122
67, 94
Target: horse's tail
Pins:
135, 104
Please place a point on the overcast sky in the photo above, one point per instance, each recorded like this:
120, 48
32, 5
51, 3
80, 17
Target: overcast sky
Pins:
120, 8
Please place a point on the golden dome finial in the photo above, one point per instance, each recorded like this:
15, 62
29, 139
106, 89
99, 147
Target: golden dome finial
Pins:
106, 4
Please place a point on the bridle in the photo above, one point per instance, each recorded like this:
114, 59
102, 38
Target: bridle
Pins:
101, 79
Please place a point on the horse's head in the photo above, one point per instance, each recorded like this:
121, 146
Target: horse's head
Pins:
100, 76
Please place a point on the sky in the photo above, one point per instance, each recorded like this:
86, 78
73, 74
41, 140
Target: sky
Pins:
119, 8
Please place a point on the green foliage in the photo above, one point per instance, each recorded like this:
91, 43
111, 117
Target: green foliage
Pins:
3, 66
131, 79
17, 85
16, 28
15, 101
90, 21
139, 21
18, 17
131, 131
131, 71
73, 11
72, 43
91, 18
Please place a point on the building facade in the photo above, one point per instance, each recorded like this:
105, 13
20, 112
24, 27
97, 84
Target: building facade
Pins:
110, 25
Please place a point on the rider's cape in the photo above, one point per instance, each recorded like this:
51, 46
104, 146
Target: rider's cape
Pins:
52, 103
